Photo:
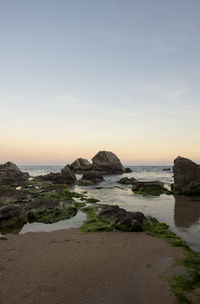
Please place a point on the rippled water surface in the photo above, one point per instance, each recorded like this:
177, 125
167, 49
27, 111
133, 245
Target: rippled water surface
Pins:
181, 213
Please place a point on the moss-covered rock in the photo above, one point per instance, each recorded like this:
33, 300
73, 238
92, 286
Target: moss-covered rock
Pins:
150, 188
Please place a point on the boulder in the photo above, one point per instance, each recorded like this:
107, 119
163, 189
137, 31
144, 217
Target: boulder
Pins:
149, 188
91, 178
12, 216
186, 177
107, 162
127, 181
80, 165
128, 221
65, 177
10, 173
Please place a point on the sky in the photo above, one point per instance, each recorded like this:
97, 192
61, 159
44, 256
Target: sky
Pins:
77, 77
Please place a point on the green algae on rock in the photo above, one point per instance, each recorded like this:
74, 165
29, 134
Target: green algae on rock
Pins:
153, 188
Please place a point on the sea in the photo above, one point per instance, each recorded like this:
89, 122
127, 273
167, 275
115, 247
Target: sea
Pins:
181, 213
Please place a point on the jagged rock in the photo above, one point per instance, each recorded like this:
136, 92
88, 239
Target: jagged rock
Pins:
128, 170
10, 173
127, 181
65, 177
91, 178
186, 177
107, 162
12, 216
131, 221
149, 187
80, 165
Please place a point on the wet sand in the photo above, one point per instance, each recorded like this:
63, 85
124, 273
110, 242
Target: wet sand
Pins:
67, 267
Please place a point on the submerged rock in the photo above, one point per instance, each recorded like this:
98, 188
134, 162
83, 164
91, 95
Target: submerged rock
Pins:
127, 221
127, 181
10, 173
128, 170
186, 177
91, 178
80, 165
150, 187
107, 162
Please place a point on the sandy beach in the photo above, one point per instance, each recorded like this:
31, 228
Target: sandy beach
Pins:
96, 268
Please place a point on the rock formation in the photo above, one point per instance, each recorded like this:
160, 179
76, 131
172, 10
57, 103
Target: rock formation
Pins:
107, 162
91, 178
65, 177
131, 221
186, 177
10, 173
80, 165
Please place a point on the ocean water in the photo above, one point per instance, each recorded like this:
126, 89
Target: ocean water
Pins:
181, 213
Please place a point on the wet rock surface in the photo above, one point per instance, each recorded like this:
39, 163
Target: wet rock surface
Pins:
186, 177
127, 181
65, 177
132, 221
91, 178
150, 187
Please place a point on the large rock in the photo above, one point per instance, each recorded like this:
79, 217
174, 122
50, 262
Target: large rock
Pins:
131, 221
12, 216
186, 177
80, 165
65, 177
108, 163
149, 188
10, 173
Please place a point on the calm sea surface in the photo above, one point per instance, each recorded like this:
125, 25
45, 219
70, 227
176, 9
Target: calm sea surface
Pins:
182, 214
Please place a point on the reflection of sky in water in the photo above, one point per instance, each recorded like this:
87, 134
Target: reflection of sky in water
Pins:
181, 214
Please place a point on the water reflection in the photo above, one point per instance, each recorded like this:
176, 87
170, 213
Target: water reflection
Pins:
186, 211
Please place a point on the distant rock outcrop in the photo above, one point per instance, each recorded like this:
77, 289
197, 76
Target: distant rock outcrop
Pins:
10, 173
107, 162
80, 165
186, 177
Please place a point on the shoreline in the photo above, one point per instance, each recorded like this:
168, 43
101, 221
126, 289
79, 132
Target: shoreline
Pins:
67, 266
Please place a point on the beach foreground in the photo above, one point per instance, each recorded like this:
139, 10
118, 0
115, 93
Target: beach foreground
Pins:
69, 267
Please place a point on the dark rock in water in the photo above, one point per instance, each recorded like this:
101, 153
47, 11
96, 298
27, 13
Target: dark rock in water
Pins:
10, 173
128, 170
12, 216
150, 187
47, 211
167, 169
127, 181
186, 177
127, 221
80, 165
107, 162
91, 178
65, 177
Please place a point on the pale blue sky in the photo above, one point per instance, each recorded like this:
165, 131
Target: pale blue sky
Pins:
81, 76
